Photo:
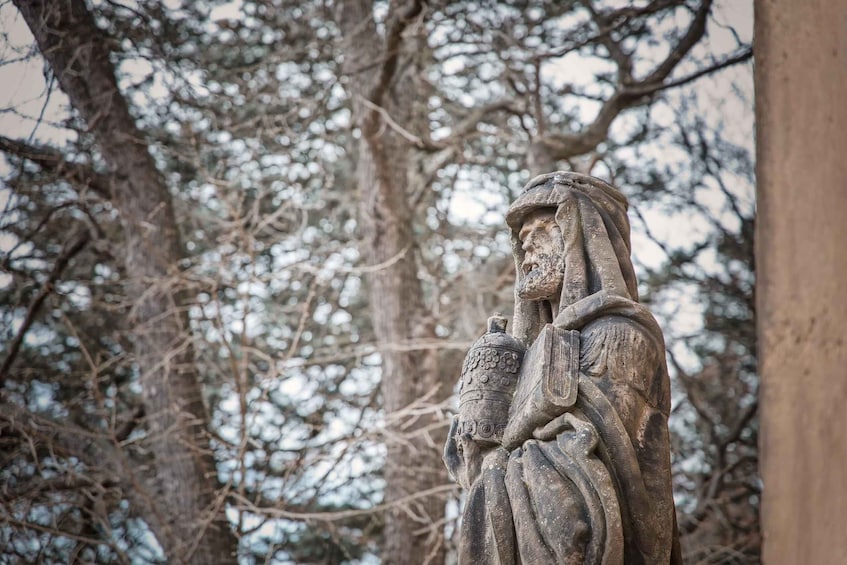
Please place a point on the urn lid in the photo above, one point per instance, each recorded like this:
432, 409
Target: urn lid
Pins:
496, 335
497, 324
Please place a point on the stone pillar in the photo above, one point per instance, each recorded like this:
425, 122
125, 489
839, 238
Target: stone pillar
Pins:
801, 261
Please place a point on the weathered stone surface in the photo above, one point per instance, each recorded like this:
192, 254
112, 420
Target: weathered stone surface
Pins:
575, 467
801, 277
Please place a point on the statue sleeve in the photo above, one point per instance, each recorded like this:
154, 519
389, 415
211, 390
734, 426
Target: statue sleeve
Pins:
547, 386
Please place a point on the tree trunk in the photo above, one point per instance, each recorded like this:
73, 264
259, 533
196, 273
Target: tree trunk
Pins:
413, 472
188, 520
801, 269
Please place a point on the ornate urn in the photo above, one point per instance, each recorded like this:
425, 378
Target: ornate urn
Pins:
489, 377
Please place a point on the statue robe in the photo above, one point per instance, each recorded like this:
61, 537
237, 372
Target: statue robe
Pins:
590, 484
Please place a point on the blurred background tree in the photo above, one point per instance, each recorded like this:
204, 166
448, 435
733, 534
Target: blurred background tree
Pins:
245, 245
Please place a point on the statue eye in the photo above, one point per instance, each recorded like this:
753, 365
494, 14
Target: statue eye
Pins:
535, 236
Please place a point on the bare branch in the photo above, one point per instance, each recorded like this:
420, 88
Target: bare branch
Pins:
691, 37
393, 39
564, 146
95, 450
645, 89
77, 174
407, 135
58, 268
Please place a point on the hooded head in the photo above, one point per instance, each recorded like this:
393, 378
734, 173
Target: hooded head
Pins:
592, 256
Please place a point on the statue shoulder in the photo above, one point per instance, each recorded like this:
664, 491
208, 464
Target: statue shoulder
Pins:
621, 349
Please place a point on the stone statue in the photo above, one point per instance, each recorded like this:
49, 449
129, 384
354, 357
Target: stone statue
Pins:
561, 438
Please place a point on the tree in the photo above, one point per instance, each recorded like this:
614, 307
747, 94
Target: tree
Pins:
185, 513
330, 170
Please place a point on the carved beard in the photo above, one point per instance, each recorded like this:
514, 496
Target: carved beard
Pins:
543, 276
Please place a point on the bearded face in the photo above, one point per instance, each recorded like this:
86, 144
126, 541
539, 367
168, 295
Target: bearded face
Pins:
544, 260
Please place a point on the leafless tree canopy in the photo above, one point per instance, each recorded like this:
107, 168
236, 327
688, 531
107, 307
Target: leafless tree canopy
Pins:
244, 247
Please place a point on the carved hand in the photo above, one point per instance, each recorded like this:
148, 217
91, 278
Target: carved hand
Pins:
451, 451
463, 456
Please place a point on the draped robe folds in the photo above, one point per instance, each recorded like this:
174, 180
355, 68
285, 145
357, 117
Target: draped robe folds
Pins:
588, 480
592, 485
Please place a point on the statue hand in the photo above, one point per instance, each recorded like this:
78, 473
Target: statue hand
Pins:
463, 456
452, 459
472, 456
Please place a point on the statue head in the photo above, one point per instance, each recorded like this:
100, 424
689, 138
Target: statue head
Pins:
570, 239
543, 264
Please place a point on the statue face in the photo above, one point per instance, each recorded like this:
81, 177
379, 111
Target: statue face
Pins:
543, 266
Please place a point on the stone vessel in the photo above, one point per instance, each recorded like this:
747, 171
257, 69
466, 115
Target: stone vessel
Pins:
489, 377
